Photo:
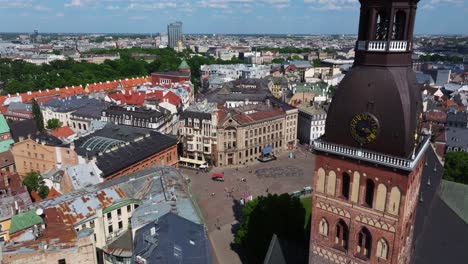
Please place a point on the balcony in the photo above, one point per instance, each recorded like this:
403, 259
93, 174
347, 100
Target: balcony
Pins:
374, 157
383, 46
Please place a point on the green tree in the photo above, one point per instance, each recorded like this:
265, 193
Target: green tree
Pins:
37, 115
456, 167
53, 123
34, 182
282, 215
296, 57
317, 62
277, 60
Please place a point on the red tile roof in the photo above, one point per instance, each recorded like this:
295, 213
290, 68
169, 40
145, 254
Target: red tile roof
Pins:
243, 118
132, 98
35, 196
62, 132
131, 83
57, 233
53, 193
48, 94
440, 117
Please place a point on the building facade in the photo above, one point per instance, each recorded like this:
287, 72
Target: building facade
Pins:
174, 33
311, 122
367, 179
39, 155
247, 133
197, 132
139, 117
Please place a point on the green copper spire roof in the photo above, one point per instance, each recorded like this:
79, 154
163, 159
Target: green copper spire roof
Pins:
184, 65
4, 128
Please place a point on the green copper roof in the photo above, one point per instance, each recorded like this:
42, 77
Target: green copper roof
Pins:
5, 145
184, 65
311, 87
4, 128
455, 195
24, 220
120, 205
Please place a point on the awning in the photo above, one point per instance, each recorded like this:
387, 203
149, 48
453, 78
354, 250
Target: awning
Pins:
192, 161
267, 150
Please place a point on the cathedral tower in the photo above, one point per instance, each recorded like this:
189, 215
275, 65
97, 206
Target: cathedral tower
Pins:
369, 162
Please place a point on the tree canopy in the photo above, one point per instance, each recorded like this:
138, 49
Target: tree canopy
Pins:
20, 76
288, 49
282, 215
37, 115
53, 123
456, 167
34, 182
437, 57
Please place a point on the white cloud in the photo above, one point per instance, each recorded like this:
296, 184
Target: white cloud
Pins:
327, 5
42, 8
433, 3
138, 18
16, 4
76, 3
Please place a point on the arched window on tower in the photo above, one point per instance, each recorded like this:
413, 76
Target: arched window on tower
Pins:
381, 197
323, 227
370, 186
321, 180
394, 204
364, 243
398, 29
345, 181
382, 249
331, 183
342, 235
381, 26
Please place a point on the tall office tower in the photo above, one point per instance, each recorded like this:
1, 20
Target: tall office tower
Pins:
174, 33
369, 162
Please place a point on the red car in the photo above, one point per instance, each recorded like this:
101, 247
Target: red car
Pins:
217, 177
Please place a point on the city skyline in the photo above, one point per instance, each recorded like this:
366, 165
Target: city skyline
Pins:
214, 16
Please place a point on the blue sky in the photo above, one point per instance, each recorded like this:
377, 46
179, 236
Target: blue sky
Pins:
215, 16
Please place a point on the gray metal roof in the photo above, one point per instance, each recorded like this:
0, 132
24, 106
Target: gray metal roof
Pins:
172, 239
457, 137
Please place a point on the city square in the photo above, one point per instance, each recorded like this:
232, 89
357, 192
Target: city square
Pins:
219, 201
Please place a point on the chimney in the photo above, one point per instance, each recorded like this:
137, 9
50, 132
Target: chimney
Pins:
5, 180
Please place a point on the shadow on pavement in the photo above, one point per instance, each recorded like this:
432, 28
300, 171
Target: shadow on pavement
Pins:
237, 209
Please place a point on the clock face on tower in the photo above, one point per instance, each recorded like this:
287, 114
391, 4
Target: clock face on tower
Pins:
364, 128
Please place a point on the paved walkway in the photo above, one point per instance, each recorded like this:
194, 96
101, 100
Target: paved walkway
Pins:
219, 201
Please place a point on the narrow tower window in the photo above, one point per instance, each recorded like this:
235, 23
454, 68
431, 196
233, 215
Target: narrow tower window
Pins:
345, 185
381, 30
382, 249
323, 227
370, 186
364, 243
342, 235
399, 25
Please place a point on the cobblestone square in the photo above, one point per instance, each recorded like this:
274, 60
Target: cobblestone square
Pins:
219, 200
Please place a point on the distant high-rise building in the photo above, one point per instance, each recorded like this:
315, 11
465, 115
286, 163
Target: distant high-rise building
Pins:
174, 32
